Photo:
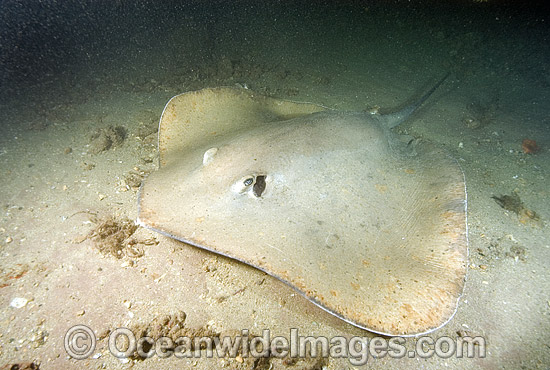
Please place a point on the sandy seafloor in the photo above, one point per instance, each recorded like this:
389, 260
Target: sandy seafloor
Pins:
120, 69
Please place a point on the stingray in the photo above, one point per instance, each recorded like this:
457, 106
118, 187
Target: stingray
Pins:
365, 223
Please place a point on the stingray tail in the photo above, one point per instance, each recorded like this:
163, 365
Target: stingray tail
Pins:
395, 119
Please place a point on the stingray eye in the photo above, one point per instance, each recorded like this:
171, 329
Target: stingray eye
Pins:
252, 185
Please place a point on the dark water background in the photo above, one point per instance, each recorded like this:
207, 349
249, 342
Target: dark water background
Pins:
131, 42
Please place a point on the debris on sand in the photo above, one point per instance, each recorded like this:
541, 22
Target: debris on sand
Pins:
529, 146
22, 366
107, 138
513, 203
173, 327
176, 337
114, 237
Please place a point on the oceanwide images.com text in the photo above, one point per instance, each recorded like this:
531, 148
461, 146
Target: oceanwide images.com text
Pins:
80, 343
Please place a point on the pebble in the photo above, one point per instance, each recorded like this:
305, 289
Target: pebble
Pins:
19, 302
101, 196
9, 239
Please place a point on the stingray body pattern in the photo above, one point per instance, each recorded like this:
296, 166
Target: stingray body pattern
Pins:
367, 226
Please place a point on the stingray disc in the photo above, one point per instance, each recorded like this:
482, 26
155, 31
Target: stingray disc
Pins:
328, 202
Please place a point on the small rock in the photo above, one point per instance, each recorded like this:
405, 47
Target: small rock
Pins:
101, 196
18, 302
127, 264
471, 123
87, 166
68, 150
9, 239
374, 110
